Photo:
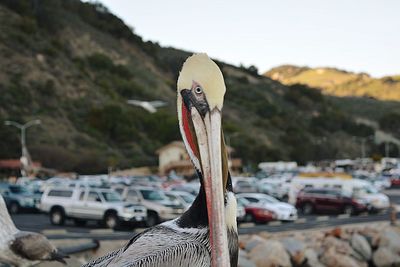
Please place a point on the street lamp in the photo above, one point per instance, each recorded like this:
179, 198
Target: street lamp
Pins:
25, 158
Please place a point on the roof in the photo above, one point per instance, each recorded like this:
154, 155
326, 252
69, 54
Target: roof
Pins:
14, 164
178, 144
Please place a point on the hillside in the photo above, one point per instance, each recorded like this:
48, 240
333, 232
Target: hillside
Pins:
73, 65
338, 82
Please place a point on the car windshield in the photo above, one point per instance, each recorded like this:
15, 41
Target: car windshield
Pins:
172, 197
188, 198
111, 196
268, 199
243, 201
365, 190
18, 189
152, 195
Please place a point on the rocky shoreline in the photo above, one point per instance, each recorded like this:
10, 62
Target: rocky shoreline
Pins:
351, 246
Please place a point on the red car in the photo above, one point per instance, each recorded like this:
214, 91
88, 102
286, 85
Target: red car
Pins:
395, 182
256, 213
312, 200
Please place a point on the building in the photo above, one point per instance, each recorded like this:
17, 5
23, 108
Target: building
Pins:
173, 157
12, 167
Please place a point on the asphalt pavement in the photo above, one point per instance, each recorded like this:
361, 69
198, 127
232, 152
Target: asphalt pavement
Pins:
38, 222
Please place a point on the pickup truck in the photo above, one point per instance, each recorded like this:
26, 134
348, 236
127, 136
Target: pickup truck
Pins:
88, 203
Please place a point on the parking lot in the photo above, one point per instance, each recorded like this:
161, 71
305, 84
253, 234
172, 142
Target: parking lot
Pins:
39, 222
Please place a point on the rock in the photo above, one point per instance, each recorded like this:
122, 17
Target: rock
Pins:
390, 238
332, 258
384, 257
372, 235
270, 254
338, 245
361, 246
295, 248
244, 262
312, 258
253, 242
336, 232
242, 253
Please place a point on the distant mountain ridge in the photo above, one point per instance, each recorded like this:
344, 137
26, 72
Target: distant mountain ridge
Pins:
336, 82
74, 65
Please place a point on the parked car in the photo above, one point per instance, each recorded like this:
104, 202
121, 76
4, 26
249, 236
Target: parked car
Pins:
244, 185
311, 200
282, 210
192, 188
254, 212
84, 204
275, 187
18, 198
185, 198
240, 212
159, 206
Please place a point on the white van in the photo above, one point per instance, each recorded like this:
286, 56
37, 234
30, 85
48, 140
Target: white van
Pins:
357, 188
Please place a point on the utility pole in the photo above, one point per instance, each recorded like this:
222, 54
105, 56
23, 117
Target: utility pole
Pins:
26, 161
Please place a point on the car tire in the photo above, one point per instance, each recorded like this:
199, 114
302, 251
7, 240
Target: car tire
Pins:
152, 219
14, 207
348, 209
111, 220
57, 216
80, 222
307, 208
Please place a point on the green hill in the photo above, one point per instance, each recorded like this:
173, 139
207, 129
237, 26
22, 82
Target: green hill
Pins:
73, 65
336, 82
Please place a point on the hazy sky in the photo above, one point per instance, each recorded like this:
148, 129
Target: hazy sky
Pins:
355, 35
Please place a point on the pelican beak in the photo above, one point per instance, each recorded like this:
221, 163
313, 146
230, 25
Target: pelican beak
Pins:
208, 133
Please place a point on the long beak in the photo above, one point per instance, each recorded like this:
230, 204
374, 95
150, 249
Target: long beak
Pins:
208, 132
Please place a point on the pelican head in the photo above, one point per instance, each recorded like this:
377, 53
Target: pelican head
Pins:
201, 90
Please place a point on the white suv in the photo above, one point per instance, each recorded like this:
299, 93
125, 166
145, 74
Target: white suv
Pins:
83, 204
159, 206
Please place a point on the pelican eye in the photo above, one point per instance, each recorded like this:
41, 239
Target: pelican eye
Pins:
198, 90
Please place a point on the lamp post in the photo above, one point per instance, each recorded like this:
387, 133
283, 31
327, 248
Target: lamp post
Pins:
25, 157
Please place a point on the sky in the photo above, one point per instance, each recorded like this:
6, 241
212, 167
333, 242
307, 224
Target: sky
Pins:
354, 35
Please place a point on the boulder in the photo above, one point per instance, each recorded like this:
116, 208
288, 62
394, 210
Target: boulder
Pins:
331, 258
361, 246
296, 249
390, 238
312, 258
269, 254
384, 257
253, 242
372, 235
244, 262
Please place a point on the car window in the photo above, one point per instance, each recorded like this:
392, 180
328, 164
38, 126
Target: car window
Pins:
82, 196
93, 196
15, 189
252, 199
111, 196
133, 193
60, 193
268, 199
119, 190
152, 195
243, 201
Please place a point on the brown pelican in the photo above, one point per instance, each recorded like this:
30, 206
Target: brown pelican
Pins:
206, 234
19, 248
